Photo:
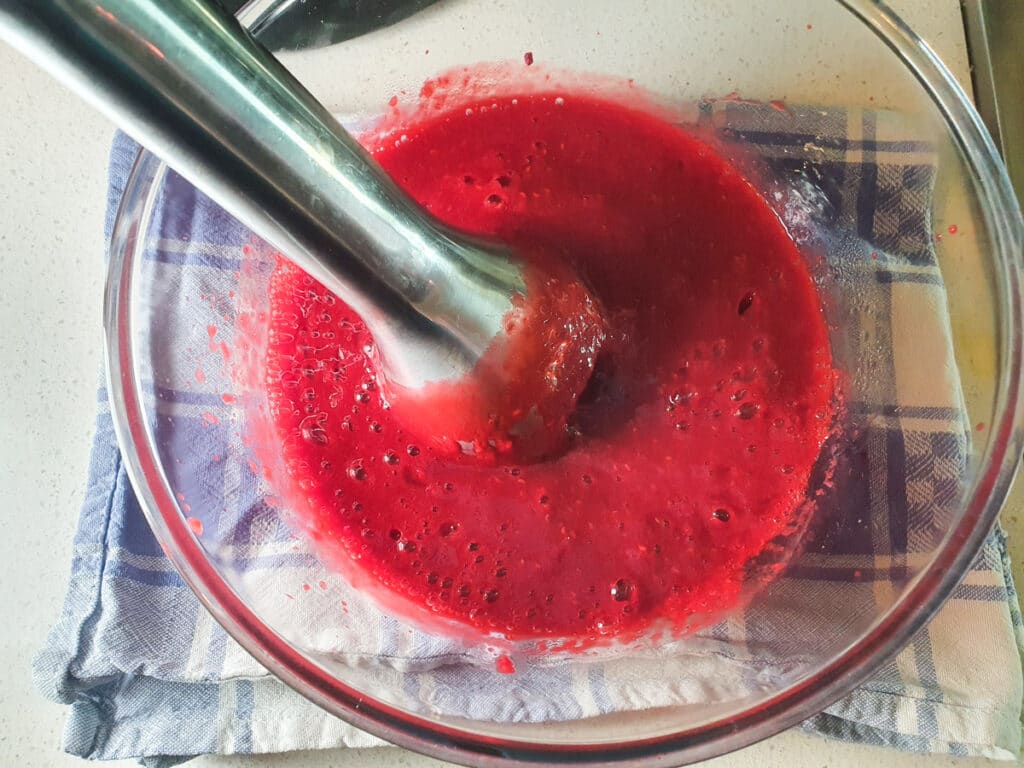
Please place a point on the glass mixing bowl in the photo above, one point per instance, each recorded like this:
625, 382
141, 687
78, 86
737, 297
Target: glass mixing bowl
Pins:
747, 676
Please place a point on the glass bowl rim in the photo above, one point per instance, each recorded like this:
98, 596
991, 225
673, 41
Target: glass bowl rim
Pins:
784, 709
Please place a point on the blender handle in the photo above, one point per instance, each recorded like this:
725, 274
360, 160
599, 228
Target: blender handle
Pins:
190, 84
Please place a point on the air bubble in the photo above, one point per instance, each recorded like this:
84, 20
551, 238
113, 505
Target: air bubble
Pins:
622, 590
416, 476
745, 303
681, 398
747, 411
313, 431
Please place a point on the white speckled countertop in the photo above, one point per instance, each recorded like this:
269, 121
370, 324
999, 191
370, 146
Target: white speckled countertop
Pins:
53, 153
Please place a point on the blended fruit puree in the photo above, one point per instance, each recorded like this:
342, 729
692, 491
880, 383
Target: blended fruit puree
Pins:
689, 452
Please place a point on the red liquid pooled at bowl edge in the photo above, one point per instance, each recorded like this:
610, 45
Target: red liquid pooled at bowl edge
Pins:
694, 442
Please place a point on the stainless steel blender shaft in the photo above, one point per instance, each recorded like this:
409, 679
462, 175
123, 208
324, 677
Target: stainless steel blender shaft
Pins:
189, 83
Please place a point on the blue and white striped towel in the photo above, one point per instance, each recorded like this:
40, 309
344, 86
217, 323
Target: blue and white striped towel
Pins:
147, 672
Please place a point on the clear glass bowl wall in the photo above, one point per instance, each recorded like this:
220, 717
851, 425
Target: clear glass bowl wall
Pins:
831, 55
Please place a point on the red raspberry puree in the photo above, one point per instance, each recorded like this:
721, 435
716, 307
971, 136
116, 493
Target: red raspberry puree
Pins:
691, 448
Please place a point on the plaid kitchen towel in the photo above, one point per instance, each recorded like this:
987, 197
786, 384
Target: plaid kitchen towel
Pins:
148, 673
